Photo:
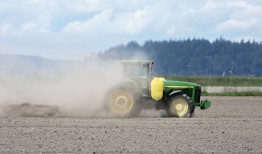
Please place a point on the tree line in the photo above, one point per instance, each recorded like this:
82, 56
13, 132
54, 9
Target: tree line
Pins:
194, 57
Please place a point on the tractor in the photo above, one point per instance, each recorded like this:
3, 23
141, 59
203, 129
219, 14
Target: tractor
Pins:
140, 90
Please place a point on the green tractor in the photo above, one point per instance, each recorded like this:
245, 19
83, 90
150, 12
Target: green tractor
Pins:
139, 90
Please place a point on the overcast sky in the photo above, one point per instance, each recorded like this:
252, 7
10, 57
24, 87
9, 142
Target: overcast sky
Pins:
73, 29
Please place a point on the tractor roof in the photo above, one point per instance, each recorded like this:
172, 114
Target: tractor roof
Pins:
137, 62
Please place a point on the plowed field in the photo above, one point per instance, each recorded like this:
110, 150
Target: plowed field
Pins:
232, 124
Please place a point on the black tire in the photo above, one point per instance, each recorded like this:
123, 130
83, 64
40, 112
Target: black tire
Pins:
123, 101
179, 106
192, 113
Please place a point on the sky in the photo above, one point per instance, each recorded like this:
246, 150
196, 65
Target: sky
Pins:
74, 29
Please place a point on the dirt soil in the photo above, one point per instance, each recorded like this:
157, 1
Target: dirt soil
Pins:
232, 124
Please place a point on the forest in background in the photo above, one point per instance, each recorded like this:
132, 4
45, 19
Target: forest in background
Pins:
194, 57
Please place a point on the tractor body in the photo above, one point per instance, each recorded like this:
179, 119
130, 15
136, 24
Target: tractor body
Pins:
140, 90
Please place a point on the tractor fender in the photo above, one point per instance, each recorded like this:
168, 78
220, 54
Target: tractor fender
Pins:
174, 92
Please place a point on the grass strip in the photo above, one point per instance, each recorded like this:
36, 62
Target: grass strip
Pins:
235, 93
231, 81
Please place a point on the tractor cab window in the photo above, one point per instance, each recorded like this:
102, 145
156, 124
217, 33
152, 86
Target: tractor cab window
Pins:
144, 71
136, 71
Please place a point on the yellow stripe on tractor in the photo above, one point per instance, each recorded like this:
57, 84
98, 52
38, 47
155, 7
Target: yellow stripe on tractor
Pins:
177, 87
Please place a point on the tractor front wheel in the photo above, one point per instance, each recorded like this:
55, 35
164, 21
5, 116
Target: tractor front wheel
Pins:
179, 106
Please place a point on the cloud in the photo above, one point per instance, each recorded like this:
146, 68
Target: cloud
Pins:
111, 22
242, 22
132, 22
33, 28
57, 29
87, 6
171, 31
6, 29
95, 23
234, 25
34, 1
209, 5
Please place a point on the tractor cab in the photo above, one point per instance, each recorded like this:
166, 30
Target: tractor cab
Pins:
139, 73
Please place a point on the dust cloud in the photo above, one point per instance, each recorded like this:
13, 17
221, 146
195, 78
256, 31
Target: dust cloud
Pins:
78, 92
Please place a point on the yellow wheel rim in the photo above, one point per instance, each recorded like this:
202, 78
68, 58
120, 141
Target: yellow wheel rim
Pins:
179, 107
121, 102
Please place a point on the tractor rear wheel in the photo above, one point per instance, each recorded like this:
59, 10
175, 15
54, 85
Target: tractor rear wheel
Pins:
179, 106
123, 101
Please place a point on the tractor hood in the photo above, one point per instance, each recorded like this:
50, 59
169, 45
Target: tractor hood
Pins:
179, 84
